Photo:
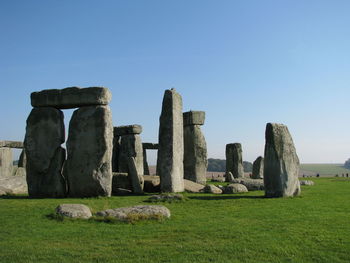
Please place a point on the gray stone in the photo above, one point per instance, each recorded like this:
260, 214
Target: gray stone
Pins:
12, 144
234, 161
74, 211
195, 154
150, 146
306, 182
151, 184
210, 188
72, 97
88, 168
128, 129
251, 184
192, 187
22, 162
121, 180
2, 192
258, 168
194, 118
14, 185
146, 211
147, 146
121, 191
6, 162
166, 198
20, 171
131, 160
171, 143
45, 156
229, 177
218, 179
281, 163
235, 188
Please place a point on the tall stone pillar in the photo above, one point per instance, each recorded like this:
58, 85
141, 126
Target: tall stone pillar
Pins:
88, 168
171, 143
281, 163
45, 156
258, 168
195, 147
130, 159
145, 163
6, 161
234, 160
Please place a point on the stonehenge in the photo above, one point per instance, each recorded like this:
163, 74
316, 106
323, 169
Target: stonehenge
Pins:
87, 171
258, 168
6, 157
281, 163
171, 143
234, 161
195, 147
147, 146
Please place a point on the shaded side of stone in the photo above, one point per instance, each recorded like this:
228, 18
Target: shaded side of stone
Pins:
194, 118
44, 154
22, 162
128, 129
258, 168
88, 168
171, 145
234, 160
281, 163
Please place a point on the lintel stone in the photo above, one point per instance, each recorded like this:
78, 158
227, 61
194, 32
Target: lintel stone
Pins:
194, 118
150, 146
128, 129
11, 144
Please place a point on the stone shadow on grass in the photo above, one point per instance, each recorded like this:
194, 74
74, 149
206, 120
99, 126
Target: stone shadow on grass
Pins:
226, 197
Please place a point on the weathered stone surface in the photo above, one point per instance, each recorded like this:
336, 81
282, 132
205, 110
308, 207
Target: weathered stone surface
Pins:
128, 129
2, 192
151, 184
20, 171
11, 144
210, 188
131, 160
74, 211
121, 180
234, 160
194, 118
235, 188
171, 143
115, 152
45, 156
258, 168
251, 184
22, 162
150, 146
141, 210
306, 182
229, 177
14, 185
88, 168
195, 154
6, 161
218, 179
72, 97
192, 187
121, 191
281, 163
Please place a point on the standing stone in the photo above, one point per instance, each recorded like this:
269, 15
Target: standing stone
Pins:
281, 163
115, 153
147, 146
171, 143
6, 162
234, 161
88, 168
258, 168
22, 162
45, 156
195, 147
130, 157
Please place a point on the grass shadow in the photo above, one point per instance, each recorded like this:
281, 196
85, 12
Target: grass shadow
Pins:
14, 197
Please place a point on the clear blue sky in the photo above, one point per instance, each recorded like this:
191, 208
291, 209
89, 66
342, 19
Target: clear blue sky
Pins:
245, 63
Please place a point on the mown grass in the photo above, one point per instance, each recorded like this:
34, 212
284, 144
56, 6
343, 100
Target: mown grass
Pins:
325, 169
207, 228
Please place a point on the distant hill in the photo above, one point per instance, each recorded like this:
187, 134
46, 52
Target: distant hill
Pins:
324, 169
219, 165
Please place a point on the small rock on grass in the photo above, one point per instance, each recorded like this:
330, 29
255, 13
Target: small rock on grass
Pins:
306, 182
166, 198
209, 188
235, 188
74, 211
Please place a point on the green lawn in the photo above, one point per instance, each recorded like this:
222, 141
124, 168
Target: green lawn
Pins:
207, 228
325, 169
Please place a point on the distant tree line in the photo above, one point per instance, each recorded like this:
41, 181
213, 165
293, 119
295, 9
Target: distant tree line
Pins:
347, 164
219, 165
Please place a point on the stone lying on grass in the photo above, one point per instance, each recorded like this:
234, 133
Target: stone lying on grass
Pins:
192, 187
212, 189
14, 185
136, 212
235, 188
166, 198
251, 184
121, 191
74, 211
306, 182
2, 191
218, 179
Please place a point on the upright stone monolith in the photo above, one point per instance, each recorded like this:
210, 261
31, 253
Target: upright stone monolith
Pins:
195, 147
234, 160
6, 161
44, 154
281, 163
130, 156
171, 143
258, 168
88, 168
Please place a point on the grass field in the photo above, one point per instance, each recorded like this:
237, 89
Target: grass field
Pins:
324, 169
207, 228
